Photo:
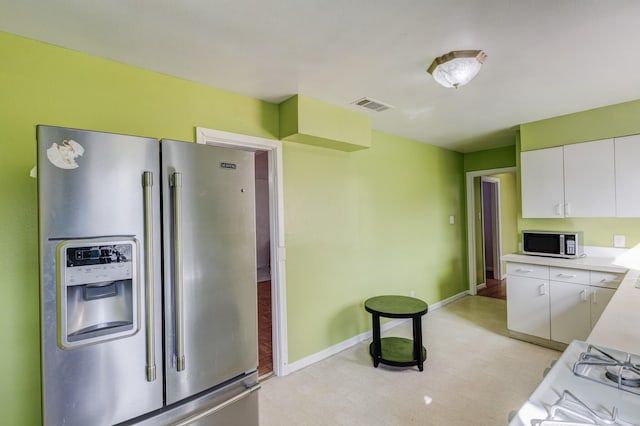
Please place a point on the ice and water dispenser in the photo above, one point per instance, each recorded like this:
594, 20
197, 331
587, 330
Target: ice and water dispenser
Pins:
98, 290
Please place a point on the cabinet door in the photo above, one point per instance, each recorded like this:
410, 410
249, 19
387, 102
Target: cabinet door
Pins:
541, 177
570, 312
589, 179
600, 298
627, 156
528, 306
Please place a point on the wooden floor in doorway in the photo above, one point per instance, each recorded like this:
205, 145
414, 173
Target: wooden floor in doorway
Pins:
265, 350
495, 288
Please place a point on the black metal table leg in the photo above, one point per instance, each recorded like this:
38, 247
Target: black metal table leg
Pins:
377, 346
417, 342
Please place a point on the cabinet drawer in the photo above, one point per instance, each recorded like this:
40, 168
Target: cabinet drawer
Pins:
606, 279
569, 275
528, 270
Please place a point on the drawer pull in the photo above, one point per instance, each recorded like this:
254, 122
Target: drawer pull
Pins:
542, 290
561, 275
524, 270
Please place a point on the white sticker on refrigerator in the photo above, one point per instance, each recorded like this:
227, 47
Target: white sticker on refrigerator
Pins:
64, 155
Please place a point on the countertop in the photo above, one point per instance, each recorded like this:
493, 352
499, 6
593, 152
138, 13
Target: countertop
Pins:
603, 264
619, 325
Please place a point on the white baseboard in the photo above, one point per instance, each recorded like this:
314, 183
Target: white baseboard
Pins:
481, 286
346, 344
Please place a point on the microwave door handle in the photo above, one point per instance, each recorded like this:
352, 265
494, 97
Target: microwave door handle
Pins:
176, 183
147, 185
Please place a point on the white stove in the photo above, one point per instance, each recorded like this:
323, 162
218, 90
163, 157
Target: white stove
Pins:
588, 385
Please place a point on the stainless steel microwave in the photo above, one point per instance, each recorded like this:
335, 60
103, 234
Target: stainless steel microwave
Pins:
553, 243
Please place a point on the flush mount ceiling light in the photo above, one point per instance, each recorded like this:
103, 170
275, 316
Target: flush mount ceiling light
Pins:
457, 68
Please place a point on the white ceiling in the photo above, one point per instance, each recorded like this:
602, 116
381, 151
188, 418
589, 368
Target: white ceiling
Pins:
545, 57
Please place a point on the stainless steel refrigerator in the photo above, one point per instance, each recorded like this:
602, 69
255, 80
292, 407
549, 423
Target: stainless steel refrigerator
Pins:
148, 281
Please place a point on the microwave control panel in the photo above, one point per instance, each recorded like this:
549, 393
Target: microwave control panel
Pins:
570, 244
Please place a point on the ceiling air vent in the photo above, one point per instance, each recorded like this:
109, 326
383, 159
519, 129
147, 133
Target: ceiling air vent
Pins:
372, 104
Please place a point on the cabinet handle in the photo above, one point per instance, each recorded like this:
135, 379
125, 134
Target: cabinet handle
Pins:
583, 295
542, 290
593, 298
559, 209
567, 209
565, 275
524, 270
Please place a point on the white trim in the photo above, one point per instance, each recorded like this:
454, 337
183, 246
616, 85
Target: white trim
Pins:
471, 239
276, 219
362, 337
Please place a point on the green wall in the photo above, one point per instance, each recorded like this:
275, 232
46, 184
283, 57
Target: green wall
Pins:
42, 84
357, 224
600, 123
365, 223
496, 158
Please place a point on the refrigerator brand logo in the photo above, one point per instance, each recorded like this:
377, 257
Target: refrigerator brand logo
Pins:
228, 166
64, 155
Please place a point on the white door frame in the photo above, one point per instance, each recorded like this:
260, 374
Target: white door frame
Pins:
496, 238
276, 226
471, 238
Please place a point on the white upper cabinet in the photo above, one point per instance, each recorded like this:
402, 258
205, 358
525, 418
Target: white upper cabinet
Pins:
589, 179
627, 154
542, 180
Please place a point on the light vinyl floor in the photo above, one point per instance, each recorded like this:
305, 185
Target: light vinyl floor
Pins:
474, 375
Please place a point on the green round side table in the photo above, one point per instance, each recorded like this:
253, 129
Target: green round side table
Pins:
397, 351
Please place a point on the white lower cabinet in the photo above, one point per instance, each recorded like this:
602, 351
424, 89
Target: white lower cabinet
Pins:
600, 298
528, 306
557, 304
570, 311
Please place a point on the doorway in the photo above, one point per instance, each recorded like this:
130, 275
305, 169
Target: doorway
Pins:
263, 266
491, 228
490, 279
272, 189
490, 191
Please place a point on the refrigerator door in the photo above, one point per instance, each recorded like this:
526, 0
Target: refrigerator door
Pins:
92, 213
235, 403
209, 266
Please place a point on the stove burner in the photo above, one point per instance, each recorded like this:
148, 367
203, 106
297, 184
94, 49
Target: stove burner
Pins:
628, 377
599, 366
568, 410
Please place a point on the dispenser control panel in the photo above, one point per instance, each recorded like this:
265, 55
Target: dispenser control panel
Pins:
98, 263
97, 290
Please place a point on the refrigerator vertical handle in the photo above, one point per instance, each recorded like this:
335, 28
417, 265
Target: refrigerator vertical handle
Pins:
176, 183
147, 185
